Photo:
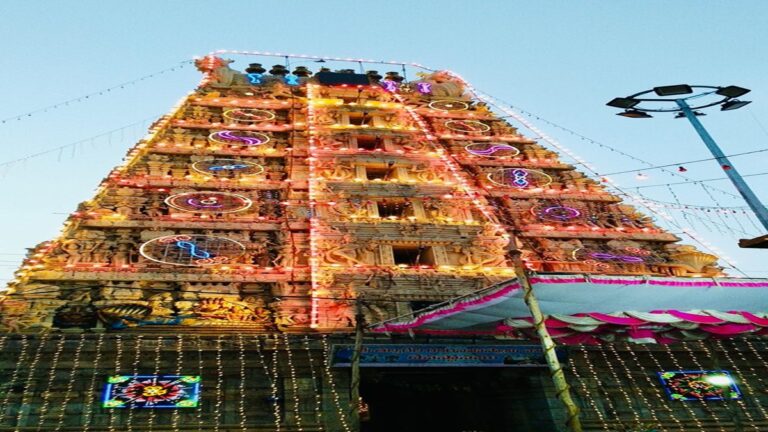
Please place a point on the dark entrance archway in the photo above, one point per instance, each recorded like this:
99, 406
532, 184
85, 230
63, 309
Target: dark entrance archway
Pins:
458, 399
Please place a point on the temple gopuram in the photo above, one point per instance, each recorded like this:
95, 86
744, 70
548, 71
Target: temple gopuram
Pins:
343, 250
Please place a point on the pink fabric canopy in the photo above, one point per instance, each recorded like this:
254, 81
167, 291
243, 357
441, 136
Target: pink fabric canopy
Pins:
583, 309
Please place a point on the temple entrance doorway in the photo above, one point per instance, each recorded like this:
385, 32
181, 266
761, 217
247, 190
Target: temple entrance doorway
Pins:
456, 399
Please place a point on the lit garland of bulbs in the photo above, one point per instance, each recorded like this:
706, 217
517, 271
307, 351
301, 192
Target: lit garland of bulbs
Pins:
742, 380
27, 394
241, 404
294, 382
272, 384
643, 397
179, 370
313, 375
656, 388
332, 385
686, 346
596, 376
51, 377
678, 366
691, 413
219, 385
15, 375
312, 194
587, 394
135, 371
624, 393
93, 387
158, 346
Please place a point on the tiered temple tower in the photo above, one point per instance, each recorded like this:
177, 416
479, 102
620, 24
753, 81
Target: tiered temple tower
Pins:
270, 213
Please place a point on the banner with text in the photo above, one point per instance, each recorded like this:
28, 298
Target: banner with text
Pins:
421, 355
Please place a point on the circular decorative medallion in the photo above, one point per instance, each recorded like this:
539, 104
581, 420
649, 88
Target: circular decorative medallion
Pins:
467, 126
449, 105
246, 138
557, 213
227, 168
208, 202
602, 259
519, 178
248, 115
192, 250
492, 150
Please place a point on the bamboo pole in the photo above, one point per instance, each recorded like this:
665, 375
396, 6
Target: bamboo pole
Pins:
354, 396
556, 371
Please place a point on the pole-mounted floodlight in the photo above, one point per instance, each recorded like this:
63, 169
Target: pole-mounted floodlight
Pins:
632, 113
733, 104
673, 90
726, 98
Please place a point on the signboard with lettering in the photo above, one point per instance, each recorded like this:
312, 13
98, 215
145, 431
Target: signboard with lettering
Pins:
422, 355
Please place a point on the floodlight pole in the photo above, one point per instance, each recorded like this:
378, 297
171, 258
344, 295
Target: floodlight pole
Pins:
752, 200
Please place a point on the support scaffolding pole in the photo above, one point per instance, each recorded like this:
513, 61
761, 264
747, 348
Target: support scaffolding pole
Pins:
354, 396
556, 371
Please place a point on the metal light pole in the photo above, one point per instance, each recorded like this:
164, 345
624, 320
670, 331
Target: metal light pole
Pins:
726, 98
752, 200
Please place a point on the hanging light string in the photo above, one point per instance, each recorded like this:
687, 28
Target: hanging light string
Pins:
27, 391
608, 402
315, 389
743, 379
135, 372
118, 370
272, 384
691, 413
637, 389
156, 372
618, 381
46, 393
323, 58
686, 214
12, 382
704, 403
294, 381
679, 164
92, 391
179, 371
200, 367
694, 182
219, 384
490, 100
653, 384
241, 404
587, 394
276, 379
602, 145
71, 382
334, 393
85, 97
691, 206
73, 145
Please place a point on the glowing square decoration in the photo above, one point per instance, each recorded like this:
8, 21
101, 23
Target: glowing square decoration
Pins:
151, 391
699, 385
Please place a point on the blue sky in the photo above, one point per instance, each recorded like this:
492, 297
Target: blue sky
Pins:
562, 60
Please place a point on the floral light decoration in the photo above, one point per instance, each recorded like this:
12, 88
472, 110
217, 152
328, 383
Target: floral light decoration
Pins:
492, 150
449, 105
519, 178
467, 126
248, 115
151, 391
699, 385
246, 138
192, 250
209, 202
227, 168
